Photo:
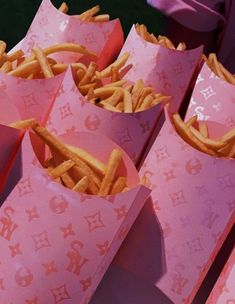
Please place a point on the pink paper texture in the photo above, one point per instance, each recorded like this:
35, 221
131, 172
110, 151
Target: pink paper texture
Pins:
129, 130
169, 71
224, 289
28, 98
56, 244
10, 140
50, 26
193, 198
212, 98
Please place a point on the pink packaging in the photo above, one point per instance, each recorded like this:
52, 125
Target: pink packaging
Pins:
212, 98
192, 195
29, 98
10, 142
56, 244
169, 71
224, 291
50, 26
131, 131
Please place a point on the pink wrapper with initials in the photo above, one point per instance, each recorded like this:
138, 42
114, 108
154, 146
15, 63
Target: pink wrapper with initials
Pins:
169, 71
56, 244
212, 98
50, 26
10, 141
224, 291
192, 196
131, 131
29, 97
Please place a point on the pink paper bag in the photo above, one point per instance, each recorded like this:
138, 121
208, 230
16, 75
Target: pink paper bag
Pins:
56, 244
29, 98
169, 71
129, 130
10, 140
193, 199
212, 98
224, 291
50, 26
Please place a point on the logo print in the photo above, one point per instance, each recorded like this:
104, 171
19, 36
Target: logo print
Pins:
76, 261
24, 277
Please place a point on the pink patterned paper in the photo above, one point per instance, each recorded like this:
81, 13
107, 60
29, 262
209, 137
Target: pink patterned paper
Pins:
28, 98
50, 26
56, 244
193, 199
10, 140
212, 98
169, 71
129, 130
224, 289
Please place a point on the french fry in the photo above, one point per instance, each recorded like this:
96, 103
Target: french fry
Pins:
89, 13
112, 166
203, 130
115, 98
23, 124
62, 168
25, 69
89, 74
229, 136
63, 8
82, 185
101, 18
184, 131
109, 107
93, 162
59, 147
191, 121
119, 185
15, 56
210, 143
2, 47
119, 63
6, 67
43, 62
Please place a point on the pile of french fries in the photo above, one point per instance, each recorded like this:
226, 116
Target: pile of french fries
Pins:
89, 15
196, 134
107, 88
39, 64
161, 40
218, 68
80, 171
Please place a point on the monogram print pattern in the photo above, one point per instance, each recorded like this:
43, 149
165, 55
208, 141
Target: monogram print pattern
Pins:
172, 78
212, 98
53, 235
224, 291
195, 210
51, 26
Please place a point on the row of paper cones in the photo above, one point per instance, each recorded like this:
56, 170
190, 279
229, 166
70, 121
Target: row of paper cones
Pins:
55, 244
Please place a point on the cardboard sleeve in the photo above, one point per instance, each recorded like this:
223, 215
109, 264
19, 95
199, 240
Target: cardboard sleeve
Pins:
56, 244
212, 98
192, 196
50, 26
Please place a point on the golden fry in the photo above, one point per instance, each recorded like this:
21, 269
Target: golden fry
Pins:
23, 124
43, 62
64, 8
112, 167
82, 185
119, 185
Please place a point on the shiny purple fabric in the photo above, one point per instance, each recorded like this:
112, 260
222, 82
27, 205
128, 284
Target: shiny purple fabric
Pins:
213, 17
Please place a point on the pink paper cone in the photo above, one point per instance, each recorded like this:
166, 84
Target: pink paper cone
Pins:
129, 130
10, 141
193, 198
224, 291
50, 26
29, 98
169, 71
56, 244
212, 98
